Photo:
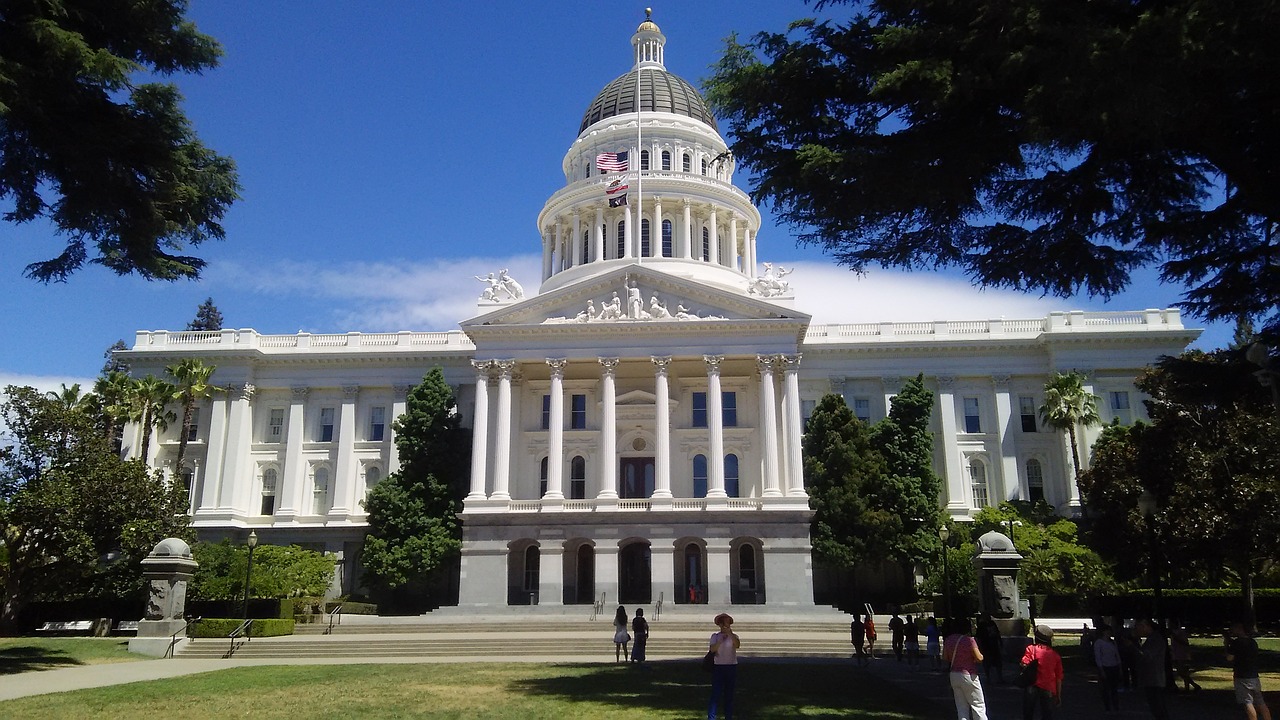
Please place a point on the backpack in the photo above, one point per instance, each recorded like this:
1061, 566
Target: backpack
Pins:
1027, 675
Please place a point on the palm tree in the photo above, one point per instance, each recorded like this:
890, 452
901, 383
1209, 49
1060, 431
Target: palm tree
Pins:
193, 385
1066, 406
150, 397
114, 391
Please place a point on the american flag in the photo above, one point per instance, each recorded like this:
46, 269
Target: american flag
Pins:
617, 186
611, 162
618, 201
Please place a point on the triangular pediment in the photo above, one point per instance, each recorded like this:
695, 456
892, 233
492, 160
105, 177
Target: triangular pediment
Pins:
636, 397
634, 295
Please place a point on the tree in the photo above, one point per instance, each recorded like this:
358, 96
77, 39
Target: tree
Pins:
1054, 559
1035, 145
279, 571
148, 400
838, 464
114, 165
67, 502
192, 386
113, 364
1066, 407
1211, 461
207, 317
114, 391
413, 523
908, 488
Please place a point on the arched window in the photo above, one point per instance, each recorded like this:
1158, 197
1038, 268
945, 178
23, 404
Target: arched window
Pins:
978, 480
532, 559
644, 159
700, 476
746, 568
372, 475
706, 245
320, 492
667, 248
269, 491
666, 160
687, 163
622, 239
577, 478
731, 475
644, 238
1035, 481
542, 477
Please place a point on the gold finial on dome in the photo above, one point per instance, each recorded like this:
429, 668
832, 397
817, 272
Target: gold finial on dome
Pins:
648, 25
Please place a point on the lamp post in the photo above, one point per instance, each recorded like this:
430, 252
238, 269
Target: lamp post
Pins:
248, 572
1149, 506
943, 534
1012, 523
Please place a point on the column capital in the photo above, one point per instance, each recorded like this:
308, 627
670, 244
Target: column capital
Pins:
713, 363
1001, 380
661, 364
557, 366
483, 369
350, 391
765, 364
610, 364
243, 391
790, 363
506, 368
300, 393
946, 381
402, 389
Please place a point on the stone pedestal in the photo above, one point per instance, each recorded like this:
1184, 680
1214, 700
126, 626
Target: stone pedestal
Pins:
167, 571
997, 563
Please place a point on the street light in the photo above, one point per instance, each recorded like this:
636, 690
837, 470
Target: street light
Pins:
943, 534
1012, 523
1148, 505
248, 572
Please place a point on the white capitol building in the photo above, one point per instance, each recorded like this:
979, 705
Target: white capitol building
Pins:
637, 423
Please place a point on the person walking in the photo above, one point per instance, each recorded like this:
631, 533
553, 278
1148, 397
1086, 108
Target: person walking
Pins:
961, 652
640, 636
858, 636
912, 643
987, 634
1242, 653
1045, 692
898, 635
1180, 648
933, 643
869, 629
620, 635
1151, 675
724, 674
1106, 656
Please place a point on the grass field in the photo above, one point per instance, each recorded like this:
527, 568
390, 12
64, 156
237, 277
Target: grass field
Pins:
19, 655
505, 692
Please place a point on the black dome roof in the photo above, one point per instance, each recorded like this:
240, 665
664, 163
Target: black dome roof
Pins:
660, 91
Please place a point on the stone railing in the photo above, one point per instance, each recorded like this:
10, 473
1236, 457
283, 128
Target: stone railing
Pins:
624, 505
1075, 321
203, 341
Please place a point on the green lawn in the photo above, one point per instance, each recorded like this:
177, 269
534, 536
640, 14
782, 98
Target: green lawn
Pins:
19, 655
512, 692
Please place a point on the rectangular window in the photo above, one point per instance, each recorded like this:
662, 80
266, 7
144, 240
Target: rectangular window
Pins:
377, 423
806, 411
729, 408
1027, 408
546, 412
972, 418
193, 432
275, 425
699, 410
326, 425
578, 412
862, 409
1120, 407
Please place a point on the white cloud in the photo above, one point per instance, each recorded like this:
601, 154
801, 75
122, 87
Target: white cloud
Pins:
44, 383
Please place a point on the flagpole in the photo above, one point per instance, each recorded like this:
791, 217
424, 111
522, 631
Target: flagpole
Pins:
639, 235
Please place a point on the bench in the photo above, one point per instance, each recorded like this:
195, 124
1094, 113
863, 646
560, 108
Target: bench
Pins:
126, 626
1067, 625
67, 627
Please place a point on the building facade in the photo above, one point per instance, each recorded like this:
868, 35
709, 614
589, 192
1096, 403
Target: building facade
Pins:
637, 423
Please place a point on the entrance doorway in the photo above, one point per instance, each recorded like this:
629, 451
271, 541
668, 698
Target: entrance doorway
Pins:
583, 589
695, 575
636, 476
634, 575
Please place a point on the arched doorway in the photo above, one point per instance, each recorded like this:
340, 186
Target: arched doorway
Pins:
747, 571
693, 574
523, 570
635, 583
580, 575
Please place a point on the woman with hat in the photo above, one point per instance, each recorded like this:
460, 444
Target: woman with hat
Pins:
724, 675
1046, 691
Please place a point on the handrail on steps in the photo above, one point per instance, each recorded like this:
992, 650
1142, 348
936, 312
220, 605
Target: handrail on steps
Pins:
336, 612
241, 629
657, 607
597, 607
173, 639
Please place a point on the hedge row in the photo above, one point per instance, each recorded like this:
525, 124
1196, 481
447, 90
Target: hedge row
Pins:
222, 627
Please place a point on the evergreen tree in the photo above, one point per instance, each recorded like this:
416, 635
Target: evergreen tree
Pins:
838, 465
114, 364
207, 317
413, 523
114, 165
908, 489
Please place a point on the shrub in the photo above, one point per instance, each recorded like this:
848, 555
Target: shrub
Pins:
351, 608
222, 627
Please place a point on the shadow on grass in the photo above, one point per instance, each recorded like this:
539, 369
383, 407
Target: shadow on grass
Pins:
25, 658
790, 690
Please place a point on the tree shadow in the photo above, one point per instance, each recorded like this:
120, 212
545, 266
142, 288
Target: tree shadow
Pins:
764, 690
26, 658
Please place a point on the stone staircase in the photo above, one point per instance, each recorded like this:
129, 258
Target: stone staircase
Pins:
525, 635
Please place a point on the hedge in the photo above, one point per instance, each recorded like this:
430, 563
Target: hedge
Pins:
351, 608
222, 627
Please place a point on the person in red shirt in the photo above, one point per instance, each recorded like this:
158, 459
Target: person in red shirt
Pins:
1046, 692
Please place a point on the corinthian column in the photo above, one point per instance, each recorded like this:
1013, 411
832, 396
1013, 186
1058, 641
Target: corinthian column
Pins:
793, 427
608, 431
769, 426
555, 432
662, 428
480, 431
715, 428
502, 443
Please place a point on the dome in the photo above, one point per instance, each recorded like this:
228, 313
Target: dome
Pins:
660, 91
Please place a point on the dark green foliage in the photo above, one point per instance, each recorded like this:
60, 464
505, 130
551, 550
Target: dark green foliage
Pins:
113, 164
207, 317
112, 364
413, 524
223, 627
279, 571
76, 519
908, 489
1035, 144
1054, 560
1211, 460
838, 463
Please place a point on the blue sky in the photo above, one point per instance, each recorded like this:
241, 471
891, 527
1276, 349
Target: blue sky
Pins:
391, 151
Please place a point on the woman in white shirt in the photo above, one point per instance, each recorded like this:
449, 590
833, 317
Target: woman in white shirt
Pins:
724, 675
